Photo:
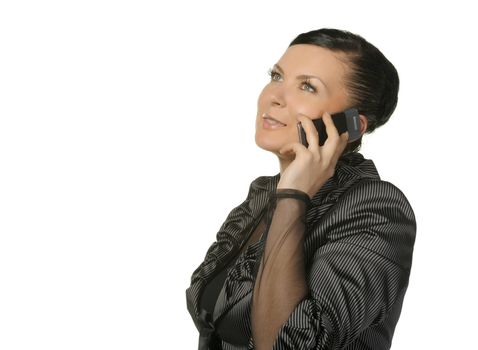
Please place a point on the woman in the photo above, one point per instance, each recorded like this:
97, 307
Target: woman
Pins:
319, 255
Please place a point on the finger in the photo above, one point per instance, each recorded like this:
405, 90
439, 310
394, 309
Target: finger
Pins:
335, 151
311, 132
335, 143
343, 143
294, 147
330, 129
345, 137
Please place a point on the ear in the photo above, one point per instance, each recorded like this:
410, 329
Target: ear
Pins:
363, 124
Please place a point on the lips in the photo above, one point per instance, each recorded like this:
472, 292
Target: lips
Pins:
272, 120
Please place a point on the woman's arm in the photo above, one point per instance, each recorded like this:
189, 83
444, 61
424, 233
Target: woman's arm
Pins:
280, 284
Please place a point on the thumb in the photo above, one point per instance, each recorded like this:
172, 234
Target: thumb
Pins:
293, 147
286, 149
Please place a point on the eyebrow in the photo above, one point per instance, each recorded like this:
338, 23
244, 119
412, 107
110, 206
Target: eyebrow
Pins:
302, 76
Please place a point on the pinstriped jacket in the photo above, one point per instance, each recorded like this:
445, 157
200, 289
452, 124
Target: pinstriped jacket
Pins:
358, 247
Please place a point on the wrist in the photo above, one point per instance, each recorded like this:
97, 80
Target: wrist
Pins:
293, 193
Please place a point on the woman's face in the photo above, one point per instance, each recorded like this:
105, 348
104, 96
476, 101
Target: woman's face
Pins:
307, 80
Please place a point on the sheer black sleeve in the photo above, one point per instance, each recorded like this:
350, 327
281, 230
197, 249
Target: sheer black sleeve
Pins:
280, 282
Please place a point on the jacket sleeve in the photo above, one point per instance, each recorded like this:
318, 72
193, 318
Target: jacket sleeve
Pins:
354, 278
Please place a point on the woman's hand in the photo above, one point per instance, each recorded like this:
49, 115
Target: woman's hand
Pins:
312, 165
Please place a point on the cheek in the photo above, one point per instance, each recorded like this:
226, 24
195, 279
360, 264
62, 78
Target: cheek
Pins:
311, 107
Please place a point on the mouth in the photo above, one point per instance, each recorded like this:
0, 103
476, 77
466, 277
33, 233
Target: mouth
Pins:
272, 122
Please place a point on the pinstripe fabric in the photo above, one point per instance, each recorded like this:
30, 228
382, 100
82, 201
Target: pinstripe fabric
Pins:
358, 249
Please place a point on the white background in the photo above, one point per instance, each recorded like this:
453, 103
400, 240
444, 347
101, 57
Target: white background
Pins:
127, 136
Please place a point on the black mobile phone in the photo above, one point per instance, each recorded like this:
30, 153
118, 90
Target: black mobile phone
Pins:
347, 120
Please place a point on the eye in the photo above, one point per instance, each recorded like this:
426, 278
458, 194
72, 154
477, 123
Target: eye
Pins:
308, 86
275, 75
305, 85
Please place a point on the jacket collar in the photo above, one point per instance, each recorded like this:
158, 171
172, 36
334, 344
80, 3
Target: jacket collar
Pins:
350, 168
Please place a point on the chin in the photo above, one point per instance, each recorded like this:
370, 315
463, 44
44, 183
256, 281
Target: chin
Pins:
268, 143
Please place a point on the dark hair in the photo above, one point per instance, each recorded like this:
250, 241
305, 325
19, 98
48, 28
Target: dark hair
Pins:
373, 82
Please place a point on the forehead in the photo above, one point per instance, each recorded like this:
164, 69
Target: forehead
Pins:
314, 60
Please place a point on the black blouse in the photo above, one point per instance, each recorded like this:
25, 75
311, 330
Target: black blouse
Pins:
208, 302
226, 331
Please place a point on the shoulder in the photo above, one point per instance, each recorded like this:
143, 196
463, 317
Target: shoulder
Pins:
376, 216
358, 183
376, 193
361, 209
374, 201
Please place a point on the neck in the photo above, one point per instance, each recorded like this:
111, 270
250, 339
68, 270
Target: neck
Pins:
284, 163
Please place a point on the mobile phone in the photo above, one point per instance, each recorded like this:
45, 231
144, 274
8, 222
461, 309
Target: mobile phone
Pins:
347, 120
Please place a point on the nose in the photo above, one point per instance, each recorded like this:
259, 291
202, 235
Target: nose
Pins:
276, 97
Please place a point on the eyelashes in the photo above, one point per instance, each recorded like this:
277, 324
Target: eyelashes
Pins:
274, 75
